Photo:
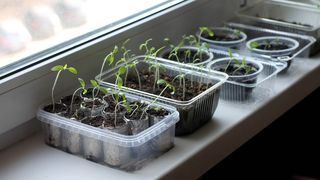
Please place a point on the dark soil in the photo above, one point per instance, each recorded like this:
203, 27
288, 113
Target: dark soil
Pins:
59, 108
97, 103
67, 100
222, 37
112, 104
147, 81
109, 123
159, 112
232, 70
136, 114
272, 47
89, 93
96, 121
185, 58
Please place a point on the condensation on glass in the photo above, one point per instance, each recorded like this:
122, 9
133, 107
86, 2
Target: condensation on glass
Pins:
31, 26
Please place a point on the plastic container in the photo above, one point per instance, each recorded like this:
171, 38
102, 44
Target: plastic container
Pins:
195, 112
222, 31
291, 43
287, 16
208, 55
253, 32
125, 152
251, 88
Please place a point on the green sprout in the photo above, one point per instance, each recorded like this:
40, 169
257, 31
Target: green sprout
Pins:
59, 69
109, 58
167, 85
82, 87
242, 64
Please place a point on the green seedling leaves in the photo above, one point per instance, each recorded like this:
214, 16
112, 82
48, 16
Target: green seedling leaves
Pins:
254, 44
119, 82
115, 50
167, 84
83, 85
230, 53
122, 70
145, 45
109, 58
57, 68
72, 70
65, 67
206, 29
94, 83
104, 90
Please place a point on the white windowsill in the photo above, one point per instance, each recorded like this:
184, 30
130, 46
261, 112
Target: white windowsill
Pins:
192, 155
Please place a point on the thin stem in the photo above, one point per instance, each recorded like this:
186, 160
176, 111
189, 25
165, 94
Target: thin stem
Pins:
184, 88
101, 70
145, 109
139, 80
74, 93
92, 102
126, 76
52, 90
115, 113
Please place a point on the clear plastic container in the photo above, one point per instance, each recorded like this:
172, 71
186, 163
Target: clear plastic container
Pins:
125, 152
195, 112
287, 16
253, 32
291, 43
222, 31
251, 88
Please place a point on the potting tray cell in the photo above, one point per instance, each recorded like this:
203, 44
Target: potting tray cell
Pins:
194, 112
125, 152
253, 32
248, 93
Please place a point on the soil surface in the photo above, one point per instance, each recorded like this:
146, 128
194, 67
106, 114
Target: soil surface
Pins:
192, 89
67, 100
160, 112
89, 93
136, 114
222, 37
233, 70
96, 121
58, 108
272, 47
96, 102
187, 57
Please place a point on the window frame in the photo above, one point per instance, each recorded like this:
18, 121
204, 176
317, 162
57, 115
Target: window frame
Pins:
21, 93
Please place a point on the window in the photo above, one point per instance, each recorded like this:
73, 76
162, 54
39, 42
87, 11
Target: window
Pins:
36, 29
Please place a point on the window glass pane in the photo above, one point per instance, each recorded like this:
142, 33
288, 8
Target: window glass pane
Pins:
28, 27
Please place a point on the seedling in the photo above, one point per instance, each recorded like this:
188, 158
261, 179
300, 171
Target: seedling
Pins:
182, 83
192, 41
82, 87
242, 64
254, 44
59, 69
109, 58
153, 52
167, 85
97, 87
